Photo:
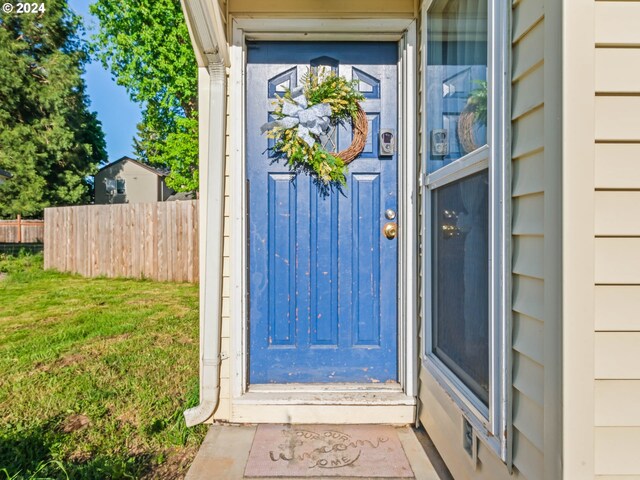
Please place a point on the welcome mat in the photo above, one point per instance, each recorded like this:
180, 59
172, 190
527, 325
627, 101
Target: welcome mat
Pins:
327, 451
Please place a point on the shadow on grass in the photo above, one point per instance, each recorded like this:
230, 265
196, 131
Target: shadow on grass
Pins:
30, 454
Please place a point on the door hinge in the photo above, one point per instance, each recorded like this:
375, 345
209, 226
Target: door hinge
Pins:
422, 180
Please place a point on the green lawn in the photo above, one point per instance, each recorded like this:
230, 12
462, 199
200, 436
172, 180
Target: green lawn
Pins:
95, 374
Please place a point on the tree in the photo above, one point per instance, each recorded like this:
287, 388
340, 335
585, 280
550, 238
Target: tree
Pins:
146, 46
49, 140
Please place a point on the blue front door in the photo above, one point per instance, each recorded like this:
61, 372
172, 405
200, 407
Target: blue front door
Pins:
323, 276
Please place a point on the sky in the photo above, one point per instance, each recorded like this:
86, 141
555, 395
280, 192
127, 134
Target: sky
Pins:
117, 113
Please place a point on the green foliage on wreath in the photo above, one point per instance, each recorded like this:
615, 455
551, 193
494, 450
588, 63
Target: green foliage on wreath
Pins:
343, 97
478, 101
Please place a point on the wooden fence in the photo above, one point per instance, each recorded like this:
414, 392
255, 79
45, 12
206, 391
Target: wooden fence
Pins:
21, 231
140, 240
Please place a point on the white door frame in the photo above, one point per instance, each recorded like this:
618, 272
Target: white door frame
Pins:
404, 32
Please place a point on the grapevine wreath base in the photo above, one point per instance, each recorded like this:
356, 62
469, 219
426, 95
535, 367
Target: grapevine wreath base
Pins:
360, 131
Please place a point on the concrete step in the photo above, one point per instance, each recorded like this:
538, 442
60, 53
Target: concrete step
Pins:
225, 451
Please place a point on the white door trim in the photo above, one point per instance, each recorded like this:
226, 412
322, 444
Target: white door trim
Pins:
404, 31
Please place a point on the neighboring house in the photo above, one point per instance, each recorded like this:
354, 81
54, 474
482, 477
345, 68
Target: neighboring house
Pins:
129, 181
504, 316
4, 176
181, 196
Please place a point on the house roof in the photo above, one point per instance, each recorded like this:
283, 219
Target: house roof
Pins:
157, 171
4, 173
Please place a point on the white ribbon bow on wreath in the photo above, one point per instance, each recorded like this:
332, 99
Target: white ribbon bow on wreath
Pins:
310, 120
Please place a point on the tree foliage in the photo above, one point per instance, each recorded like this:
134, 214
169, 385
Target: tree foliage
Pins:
49, 140
147, 48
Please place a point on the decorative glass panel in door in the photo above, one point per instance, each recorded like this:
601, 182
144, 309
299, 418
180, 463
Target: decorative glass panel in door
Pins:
322, 276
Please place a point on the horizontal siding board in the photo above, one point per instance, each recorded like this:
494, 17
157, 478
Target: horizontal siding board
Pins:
616, 355
528, 418
225, 388
528, 255
528, 296
616, 213
528, 174
528, 378
617, 308
617, 23
324, 7
617, 477
225, 285
225, 328
528, 92
528, 52
528, 215
528, 337
617, 166
616, 403
225, 363
526, 14
616, 450
617, 118
226, 301
528, 134
615, 70
617, 260
528, 458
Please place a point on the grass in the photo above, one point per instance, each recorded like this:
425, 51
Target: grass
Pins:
95, 375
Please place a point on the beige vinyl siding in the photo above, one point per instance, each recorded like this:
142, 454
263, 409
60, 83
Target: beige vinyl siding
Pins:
528, 175
535, 169
617, 239
626, 221
617, 165
617, 308
326, 8
535, 238
224, 409
617, 24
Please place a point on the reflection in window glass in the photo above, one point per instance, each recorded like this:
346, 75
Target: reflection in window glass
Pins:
456, 79
460, 213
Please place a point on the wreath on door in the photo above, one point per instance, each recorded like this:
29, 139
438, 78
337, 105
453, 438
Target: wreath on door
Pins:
308, 111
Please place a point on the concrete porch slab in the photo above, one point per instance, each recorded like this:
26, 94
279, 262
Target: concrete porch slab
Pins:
225, 450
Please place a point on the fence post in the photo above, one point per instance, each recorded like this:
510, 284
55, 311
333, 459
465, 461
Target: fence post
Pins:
19, 228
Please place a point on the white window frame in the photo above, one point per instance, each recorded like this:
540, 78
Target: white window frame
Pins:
492, 425
121, 181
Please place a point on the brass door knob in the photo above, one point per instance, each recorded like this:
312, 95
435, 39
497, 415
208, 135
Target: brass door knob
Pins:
390, 230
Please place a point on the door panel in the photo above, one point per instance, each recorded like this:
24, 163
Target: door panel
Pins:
323, 277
